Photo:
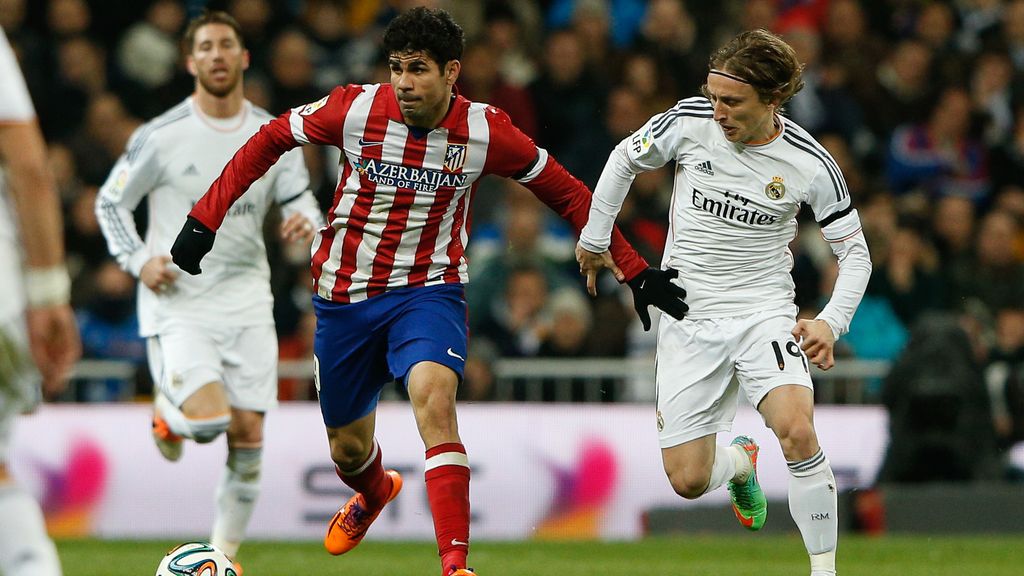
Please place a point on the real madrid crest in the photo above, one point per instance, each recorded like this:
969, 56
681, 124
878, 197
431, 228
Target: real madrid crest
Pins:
775, 189
661, 422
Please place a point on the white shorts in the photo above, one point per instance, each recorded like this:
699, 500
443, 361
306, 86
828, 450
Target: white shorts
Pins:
702, 363
19, 378
185, 358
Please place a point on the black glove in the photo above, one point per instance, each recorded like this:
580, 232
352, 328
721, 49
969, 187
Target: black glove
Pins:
193, 242
653, 286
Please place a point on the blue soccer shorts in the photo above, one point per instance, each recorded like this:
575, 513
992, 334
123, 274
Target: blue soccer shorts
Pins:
359, 347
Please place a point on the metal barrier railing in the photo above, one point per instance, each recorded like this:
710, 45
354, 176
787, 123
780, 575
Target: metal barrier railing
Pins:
851, 381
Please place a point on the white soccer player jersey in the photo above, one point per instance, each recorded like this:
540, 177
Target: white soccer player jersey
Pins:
171, 161
734, 207
15, 106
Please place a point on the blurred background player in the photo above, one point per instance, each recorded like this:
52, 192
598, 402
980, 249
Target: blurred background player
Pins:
38, 336
211, 340
389, 270
744, 171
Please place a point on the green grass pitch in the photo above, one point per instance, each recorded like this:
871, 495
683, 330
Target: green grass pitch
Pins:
744, 555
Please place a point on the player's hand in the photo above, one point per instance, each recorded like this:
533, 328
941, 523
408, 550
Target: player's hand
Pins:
297, 228
592, 262
157, 275
55, 345
817, 341
654, 286
194, 241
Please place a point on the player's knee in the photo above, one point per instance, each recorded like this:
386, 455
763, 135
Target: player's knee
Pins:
690, 483
245, 463
205, 430
435, 416
350, 453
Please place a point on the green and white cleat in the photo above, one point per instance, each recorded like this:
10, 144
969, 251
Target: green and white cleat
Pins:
748, 501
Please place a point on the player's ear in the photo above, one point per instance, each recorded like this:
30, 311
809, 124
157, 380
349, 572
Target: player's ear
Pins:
245, 59
451, 71
190, 63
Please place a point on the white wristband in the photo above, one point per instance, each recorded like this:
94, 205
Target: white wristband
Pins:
47, 286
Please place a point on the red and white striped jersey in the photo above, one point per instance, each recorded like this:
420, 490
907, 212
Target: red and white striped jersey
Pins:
400, 214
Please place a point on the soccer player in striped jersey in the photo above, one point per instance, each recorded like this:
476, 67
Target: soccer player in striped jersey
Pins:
742, 172
388, 271
211, 340
39, 340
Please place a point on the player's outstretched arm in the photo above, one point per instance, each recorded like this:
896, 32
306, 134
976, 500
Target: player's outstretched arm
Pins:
53, 334
514, 155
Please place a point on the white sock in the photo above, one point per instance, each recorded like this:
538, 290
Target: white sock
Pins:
25, 548
236, 499
727, 466
812, 502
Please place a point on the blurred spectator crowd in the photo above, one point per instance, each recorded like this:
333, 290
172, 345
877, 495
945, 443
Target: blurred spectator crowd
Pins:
920, 102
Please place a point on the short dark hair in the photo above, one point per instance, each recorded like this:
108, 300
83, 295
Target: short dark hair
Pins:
764, 61
428, 30
209, 17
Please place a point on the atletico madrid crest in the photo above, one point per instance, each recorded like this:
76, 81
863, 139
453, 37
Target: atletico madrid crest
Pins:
454, 157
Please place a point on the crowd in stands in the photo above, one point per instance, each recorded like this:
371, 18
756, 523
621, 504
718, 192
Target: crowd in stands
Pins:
920, 102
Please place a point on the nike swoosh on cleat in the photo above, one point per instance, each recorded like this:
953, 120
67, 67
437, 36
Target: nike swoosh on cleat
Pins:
458, 543
197, 230
748, 522
364, 144
454, 355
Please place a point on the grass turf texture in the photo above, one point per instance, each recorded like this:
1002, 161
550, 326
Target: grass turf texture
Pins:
693, 556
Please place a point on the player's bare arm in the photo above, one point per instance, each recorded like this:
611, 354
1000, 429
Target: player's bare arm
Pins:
53, 334
817, 341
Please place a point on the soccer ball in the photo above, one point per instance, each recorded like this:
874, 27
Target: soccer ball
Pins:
196, 559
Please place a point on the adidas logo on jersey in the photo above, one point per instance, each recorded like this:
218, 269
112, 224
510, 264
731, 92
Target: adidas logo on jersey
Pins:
191, 171
705, 167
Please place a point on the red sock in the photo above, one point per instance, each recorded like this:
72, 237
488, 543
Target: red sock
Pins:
369, 479
447, 479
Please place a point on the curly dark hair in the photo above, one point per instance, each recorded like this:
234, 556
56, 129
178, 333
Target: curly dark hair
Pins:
423, 29
764, 61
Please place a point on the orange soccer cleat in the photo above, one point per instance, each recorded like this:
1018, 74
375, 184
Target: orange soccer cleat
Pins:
351, 522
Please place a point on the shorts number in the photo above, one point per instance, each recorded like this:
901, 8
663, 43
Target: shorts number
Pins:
792, 349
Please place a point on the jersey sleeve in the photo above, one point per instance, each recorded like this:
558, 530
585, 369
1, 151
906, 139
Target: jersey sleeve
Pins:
830, 201
657, 142
134, 175
649, 148
322, 122
513, 154
291, 188
15, 103
292, 177
319, 122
